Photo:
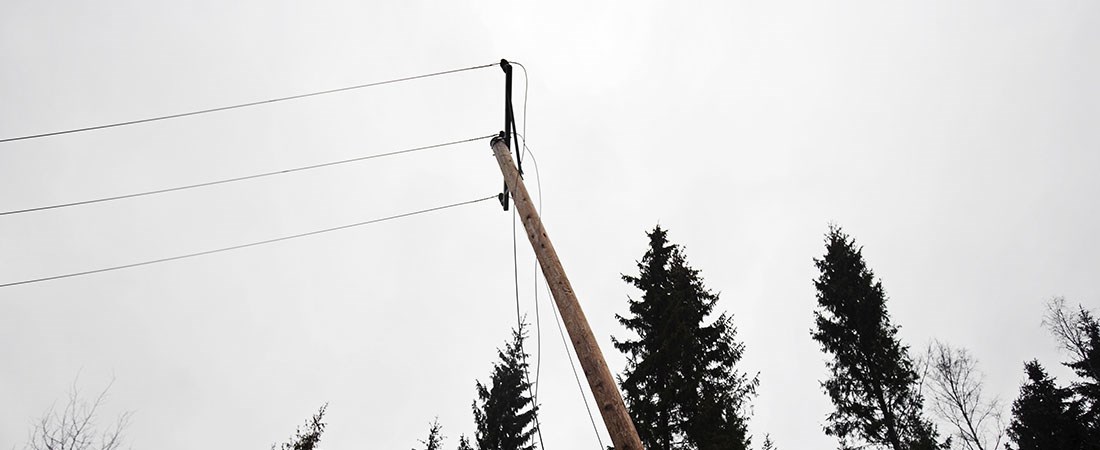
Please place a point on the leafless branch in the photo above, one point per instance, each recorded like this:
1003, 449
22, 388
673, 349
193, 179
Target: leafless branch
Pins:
1068, 326
956, 397
74, 427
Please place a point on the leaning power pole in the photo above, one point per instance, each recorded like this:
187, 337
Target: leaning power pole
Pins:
609, 401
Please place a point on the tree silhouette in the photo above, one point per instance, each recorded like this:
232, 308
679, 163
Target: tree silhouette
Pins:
873, 385
1045, 416
504, 412
1078, 332
73, 428
958, 397
435, 436
681, 383
308, 438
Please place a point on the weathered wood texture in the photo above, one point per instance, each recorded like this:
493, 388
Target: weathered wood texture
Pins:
606, 393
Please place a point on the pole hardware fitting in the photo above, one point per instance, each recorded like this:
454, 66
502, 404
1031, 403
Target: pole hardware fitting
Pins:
509, 134
503, 196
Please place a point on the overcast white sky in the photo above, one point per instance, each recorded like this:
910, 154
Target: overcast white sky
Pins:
956, 141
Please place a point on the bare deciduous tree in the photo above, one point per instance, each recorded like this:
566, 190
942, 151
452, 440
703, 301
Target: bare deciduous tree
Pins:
956, 396
1070, 328
75, 427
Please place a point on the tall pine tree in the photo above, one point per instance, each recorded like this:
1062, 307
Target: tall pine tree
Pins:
681, 384
504, 412
1045, 416
873, 385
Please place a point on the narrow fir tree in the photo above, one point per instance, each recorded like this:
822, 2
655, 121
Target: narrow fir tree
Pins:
681, 384
435, 436
1086, 364
504, 412
464, 443
873, 385
1044, 416
309, 438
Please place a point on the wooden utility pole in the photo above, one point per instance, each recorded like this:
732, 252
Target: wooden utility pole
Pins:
610, 402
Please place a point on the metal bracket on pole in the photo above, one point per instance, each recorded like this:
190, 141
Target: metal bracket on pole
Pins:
509, 134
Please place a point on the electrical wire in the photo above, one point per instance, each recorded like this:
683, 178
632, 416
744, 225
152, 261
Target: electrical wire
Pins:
243, 105
580, 387
247, 177
554, 309
252, 244
515, 268
519, 325
538, 320
557, 319
526, 84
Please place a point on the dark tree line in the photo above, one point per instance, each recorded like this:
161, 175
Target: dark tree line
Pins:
682, 384
685, 390
877, 390
1046, 415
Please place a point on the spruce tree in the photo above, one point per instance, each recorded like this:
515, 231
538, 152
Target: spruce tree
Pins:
1078, 332
873, 385
1045, 416
435, 436
681, 384
308, 438
504, 412
1086, 365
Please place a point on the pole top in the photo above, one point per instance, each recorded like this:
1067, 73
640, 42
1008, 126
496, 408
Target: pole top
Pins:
506, 66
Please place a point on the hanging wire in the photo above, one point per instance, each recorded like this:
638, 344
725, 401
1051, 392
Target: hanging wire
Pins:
557, 319
538, 321
549, 294
252, 244
242, 105
519, 325
247, 177
538, 328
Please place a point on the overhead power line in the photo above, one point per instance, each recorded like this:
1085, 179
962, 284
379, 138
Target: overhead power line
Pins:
252, 244
243, 178
244, 105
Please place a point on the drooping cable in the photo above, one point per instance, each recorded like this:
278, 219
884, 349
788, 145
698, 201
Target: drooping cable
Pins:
580, 387
243, 105
519, 324
243, 178
515, 260
554, 309
538, 321
252, 244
